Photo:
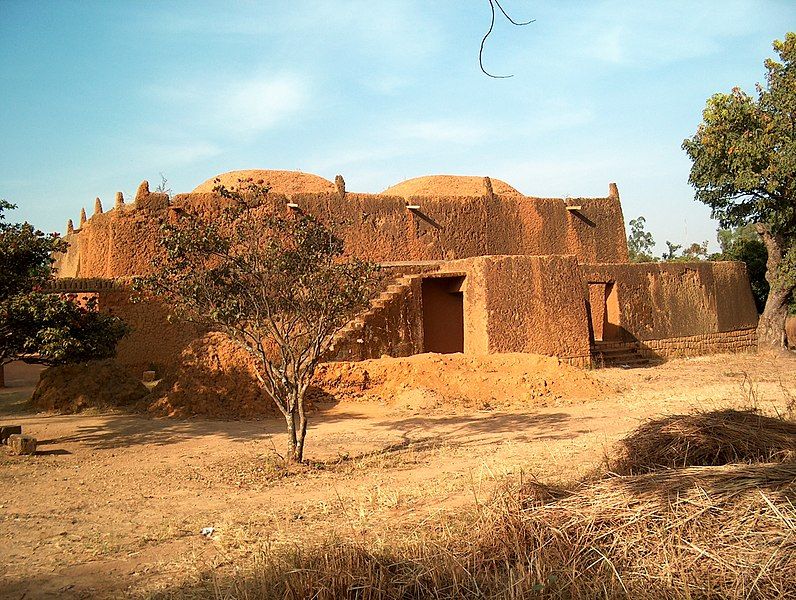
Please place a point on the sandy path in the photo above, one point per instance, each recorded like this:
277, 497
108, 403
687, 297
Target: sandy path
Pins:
115, 502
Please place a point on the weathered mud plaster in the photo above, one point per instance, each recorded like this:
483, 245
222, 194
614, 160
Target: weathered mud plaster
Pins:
474, 266
670, 300
529, 304
122, 242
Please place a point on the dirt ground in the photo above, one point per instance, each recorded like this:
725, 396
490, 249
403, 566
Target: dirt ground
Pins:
113, 504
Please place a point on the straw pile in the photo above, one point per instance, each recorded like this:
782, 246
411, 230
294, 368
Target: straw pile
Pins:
700, 532
707, 532
705, 438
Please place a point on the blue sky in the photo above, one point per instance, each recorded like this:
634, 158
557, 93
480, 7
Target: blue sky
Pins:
98, 96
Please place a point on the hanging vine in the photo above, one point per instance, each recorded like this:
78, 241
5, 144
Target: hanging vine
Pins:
492, 4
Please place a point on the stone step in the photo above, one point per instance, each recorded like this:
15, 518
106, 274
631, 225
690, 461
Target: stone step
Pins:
627, 360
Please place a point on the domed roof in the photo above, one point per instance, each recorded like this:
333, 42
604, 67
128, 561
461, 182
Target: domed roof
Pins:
281, 182
449, 185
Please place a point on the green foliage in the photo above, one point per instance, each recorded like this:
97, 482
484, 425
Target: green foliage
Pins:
277, 284
744, 169
694, 252
744, 151
57, 329
40, 327
744, 244
639, 242
24, 255
671, 252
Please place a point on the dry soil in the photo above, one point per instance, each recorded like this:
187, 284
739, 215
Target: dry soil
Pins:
113, 503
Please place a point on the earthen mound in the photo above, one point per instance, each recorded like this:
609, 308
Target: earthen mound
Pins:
216, 378
98, 384
449, 185
426, 381
280, 182
712, 438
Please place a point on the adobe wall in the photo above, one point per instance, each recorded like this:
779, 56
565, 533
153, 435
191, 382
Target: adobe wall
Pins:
123, 241
529, 304
118, 243
153, 342
660, 301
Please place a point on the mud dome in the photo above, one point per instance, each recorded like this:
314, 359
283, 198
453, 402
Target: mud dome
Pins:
474, 268
280, 182
448, 185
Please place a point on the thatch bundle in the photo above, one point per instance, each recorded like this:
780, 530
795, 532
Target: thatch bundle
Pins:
698, 532
705, 438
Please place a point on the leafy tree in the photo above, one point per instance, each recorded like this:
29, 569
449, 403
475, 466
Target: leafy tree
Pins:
744, 244
36, 326
744, 168
694, 252
640, 243
277, 285
671, 252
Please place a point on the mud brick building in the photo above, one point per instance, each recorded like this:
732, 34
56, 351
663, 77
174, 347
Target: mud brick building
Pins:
474, 265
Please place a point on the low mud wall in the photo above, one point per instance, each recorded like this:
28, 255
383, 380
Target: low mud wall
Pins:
154, 342
664, 301
528, 304
742, 340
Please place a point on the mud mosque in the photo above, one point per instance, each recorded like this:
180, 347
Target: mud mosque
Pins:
474, 266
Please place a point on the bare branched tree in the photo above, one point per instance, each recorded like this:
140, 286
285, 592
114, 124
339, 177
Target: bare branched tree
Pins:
277, 284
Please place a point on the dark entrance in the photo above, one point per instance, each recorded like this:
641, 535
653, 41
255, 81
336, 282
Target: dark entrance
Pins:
443, 314
604, 311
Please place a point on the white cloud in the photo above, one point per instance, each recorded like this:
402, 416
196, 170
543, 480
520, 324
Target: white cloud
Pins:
442, 131
619, 32
255, 105
476, 130
241, 108
171, 154
396, 28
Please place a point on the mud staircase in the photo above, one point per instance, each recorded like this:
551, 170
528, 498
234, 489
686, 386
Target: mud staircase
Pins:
623, 355
352, 343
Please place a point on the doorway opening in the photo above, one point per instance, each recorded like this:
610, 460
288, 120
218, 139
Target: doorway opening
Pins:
443, 314
604, 311
612, 330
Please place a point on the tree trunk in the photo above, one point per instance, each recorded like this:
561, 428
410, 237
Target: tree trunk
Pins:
771, 326
296, 430
290, 419
2, 375
302, 429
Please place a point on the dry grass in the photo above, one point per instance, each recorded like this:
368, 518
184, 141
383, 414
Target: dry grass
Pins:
699, 532
718, 531
712, 438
